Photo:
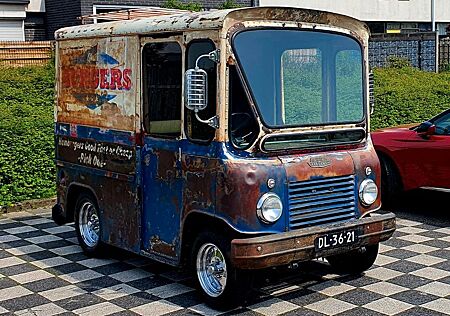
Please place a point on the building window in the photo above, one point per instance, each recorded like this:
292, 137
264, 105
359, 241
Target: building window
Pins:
393, 28
376, 27
404, 28
409, 27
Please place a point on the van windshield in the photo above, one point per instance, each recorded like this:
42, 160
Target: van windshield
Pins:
301, 78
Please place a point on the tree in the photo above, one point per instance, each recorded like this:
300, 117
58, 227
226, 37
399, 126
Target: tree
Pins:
176, 4
229, 4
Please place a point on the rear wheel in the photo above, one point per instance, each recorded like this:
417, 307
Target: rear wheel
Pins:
88, 225
222, 285
390, 181
355, 261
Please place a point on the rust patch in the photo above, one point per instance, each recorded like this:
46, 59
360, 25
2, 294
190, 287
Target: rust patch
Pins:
161, 247
210, 19
237, 18
239, 187
298, 167
231, 61
281, 249
200, 175
119, 213
236, 27
167, 165
63, 181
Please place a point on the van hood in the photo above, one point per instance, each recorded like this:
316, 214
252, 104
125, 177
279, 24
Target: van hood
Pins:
314, 166
331, 179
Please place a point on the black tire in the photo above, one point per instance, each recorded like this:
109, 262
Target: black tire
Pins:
58, 215
90, 249
355, 261
237, 286
391, 185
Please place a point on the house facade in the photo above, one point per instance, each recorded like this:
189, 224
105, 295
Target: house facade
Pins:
22, 20
384, 16
39, 19
34, 24
12, 20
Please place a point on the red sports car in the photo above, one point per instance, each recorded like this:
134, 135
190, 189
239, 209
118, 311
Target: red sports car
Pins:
414, 156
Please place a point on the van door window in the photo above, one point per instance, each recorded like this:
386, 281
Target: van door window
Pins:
243, 126
195, 130
163, 79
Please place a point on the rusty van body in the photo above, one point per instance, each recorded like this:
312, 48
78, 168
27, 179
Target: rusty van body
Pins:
138, 170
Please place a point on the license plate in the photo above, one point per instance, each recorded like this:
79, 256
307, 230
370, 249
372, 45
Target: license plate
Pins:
337, 239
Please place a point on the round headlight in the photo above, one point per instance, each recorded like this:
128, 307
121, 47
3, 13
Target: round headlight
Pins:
269, 208
368, 192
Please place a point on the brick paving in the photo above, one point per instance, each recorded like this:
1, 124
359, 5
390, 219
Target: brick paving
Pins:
44, 272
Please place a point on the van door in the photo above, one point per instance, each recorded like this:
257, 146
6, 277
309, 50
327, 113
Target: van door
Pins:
162, 76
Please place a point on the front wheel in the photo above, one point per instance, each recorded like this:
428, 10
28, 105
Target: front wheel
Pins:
222, 285
88, 225
355, 261
391, 185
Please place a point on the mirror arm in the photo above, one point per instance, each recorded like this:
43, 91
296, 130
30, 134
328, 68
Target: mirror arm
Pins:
196, 89
214, 56
213, 121
198, 60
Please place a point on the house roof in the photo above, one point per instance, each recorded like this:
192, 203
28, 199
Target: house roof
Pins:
210, 20
132, 14
14, 1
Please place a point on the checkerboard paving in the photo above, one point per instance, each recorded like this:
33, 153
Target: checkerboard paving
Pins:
44, 272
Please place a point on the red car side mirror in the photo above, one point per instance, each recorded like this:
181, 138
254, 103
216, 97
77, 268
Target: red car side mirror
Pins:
431, 130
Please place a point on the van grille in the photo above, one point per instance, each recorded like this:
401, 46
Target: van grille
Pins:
321, 201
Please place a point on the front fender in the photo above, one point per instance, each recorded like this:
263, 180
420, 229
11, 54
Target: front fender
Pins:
239, 187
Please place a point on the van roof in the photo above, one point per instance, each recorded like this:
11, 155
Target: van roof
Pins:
209, 20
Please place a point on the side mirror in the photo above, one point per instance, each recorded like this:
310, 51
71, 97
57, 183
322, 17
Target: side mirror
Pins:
196, 89
371, 93
426, 129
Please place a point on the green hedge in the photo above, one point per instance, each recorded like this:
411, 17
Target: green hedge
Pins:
26, 121
26, 134
195, 6
408, 95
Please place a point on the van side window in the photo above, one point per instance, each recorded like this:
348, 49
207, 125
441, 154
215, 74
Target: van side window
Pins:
195, 130
243, 126
163, 77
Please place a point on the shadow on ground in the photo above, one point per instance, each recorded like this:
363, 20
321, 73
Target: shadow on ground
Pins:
428, 207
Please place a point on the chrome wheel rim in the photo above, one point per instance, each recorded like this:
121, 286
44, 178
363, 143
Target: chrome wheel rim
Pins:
89, 224
211, 270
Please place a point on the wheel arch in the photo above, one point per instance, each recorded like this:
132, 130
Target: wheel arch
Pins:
73, 192
197, 221
384, 157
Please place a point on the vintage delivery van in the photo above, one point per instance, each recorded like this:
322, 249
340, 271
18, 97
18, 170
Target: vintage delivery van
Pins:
225, 141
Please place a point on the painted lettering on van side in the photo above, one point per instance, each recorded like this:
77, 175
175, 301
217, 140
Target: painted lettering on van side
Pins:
101, 155
89, 77
96, 83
